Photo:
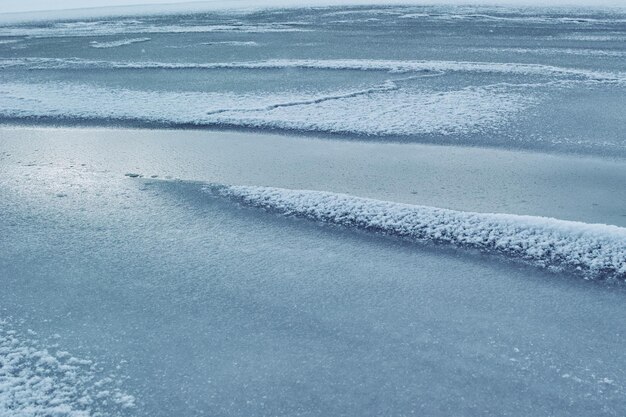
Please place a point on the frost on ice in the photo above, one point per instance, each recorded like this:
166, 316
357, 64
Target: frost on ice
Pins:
38, 381
115, 44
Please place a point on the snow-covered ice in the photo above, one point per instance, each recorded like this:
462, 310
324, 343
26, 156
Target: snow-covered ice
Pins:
397, 67
115, 44
143, 159
37, 381
390, 111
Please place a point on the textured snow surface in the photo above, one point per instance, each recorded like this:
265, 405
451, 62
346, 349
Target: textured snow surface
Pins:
391, 66
596, 251
390, 110
43, 10
530, 20
126, 27
232, 43
36, 381
542, 79
553, 51
115, 44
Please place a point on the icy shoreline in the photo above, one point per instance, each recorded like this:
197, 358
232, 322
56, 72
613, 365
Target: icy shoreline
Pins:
595, 251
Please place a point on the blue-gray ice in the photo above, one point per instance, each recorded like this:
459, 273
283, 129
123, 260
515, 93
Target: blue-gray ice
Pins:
550, 79
131, 286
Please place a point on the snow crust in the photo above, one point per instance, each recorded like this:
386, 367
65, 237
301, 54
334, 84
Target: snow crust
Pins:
129, 27
115, 44
395, 107
524, 19
231, 43
596, 251
553, 51
390, 110
36, 381
391, 66
44, 10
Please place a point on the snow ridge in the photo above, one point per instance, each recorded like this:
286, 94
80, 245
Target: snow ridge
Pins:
231, 43
592, 250
390, 66
115, 44
136, 27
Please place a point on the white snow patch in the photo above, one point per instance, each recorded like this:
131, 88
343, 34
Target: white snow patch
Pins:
115, 44
232, 43
526, 19
390, 110
596, 251
555, 51
36, 382
132, 26
594, 37
390, 113
391, 66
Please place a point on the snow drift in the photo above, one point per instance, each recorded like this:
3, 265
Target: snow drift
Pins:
593, 250
390, 66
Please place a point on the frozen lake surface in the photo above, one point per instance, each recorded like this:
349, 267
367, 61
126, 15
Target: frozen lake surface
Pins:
192, 305
337, 261
550, 79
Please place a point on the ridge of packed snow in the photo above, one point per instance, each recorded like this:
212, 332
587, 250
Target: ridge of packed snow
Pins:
130, 27
391, 66
596, 251
115, 44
